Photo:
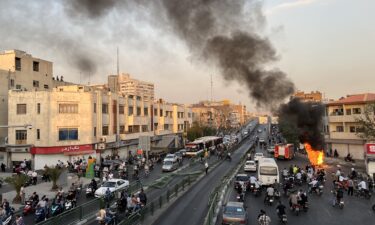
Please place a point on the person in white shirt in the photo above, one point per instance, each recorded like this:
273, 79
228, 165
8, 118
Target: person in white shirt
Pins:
299, 176
253, 180
362, 185
110, 175
270, 192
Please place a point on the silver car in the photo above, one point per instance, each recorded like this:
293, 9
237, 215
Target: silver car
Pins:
234, 213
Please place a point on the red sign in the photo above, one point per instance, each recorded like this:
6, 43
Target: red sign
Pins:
370, 148
71, 149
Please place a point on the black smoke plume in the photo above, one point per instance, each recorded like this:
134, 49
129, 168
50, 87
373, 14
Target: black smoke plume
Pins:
215, 30
304, 120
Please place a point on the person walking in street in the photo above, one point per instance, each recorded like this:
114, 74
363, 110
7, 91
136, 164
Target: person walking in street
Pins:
22, 193
3, 167
350, 187
206, 167
263, 219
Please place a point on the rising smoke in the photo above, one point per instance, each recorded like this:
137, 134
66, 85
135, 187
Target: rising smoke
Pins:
305, 119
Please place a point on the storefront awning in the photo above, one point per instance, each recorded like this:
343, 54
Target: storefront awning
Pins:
83, 152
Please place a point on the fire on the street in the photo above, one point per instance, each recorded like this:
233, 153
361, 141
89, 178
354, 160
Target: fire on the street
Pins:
316, 157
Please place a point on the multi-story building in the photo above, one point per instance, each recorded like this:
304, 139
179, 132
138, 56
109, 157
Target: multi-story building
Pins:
220, 114
314, 96
22, 71
124, 84
343, 128
79, 121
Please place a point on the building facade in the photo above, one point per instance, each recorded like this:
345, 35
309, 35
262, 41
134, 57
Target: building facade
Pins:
82, 121
314, 96
342, 126
124, 84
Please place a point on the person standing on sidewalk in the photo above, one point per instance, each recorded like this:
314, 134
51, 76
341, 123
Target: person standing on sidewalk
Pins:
22, 193
350, 187
206, 166
3, 167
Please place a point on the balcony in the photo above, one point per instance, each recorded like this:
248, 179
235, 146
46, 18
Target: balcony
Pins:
342, 119
138, 120
21, 142
130, 136
344, 135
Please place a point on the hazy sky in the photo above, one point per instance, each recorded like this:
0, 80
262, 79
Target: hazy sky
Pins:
325, 45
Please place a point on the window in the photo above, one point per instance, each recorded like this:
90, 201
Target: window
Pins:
189, 115
130, 113
38, 108
105, 130
94, 107
144, 128
66, 134
145, 111
138, 111
11, 82
122, 129
348, 111
105, 108
68, 108
35, 66
121, 109
161, 113
21, 108
166, 126
46, 86
94, 131
155, 126
356, 110
360, 129
268, 170
352, 129
130, 129
139, 98
38, 134
18, 86
339, 129
155, 112
21, 135
18, 63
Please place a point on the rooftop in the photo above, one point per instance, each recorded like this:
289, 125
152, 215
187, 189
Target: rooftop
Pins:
354, 99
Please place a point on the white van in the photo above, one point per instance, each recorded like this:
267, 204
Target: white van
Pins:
268, 171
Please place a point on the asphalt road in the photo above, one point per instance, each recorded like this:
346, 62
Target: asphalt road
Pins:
356, 211
191, 208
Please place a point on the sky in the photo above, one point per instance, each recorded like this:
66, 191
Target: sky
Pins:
324, 45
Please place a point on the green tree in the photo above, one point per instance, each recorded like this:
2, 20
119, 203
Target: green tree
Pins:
197, 131
54, 174
366, 129
17, 181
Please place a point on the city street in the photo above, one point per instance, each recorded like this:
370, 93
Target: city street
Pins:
191, 208
356, 210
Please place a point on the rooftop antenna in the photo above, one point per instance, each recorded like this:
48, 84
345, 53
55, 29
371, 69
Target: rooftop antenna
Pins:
118, 63
211, 88
89, 78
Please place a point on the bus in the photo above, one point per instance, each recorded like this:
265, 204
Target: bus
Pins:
268, 171
198, 146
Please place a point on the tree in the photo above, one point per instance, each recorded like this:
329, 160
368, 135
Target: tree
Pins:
17, 181
366, 129
54, 173
197, 131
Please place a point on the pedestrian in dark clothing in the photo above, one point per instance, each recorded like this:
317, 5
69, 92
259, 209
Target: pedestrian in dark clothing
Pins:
2, 167
335, 154
350, 187
142, 197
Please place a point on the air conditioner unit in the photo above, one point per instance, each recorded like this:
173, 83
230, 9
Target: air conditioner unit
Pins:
101, 146
102, 139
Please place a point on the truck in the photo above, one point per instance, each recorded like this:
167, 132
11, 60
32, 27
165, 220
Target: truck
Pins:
284, 151
370, 159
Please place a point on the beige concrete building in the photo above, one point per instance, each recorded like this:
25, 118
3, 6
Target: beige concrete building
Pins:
342, 126
314, 96
21, 71
79, 121
124, 84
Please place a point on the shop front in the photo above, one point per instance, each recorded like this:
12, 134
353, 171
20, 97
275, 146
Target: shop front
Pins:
370, 159
50, 155
17, 154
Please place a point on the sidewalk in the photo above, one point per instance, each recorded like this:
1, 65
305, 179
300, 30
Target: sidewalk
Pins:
358, 165
43, 188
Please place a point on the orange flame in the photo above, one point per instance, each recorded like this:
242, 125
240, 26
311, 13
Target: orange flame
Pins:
316, 157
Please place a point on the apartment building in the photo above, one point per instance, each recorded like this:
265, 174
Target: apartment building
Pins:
21, 71
124, 84
81, 121
342, 127
314, 96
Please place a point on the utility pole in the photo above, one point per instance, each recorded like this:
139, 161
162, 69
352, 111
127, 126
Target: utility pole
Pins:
118, 62
212, 84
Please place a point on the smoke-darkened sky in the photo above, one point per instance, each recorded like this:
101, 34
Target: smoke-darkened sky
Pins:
318, 44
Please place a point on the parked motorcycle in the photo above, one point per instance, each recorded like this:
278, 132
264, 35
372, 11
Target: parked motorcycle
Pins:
68, 204
90, 191
28, 209
56, 209
40, 215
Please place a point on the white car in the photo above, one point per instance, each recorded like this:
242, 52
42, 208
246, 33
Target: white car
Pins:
169, 165
250, 166
171, 157
258, 156
113, 185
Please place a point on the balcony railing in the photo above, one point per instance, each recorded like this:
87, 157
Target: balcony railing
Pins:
21, 142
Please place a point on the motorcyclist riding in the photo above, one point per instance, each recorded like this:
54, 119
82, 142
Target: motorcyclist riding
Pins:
94, 185
270, 193
280, 209
71, 197
313, 185
339, 196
